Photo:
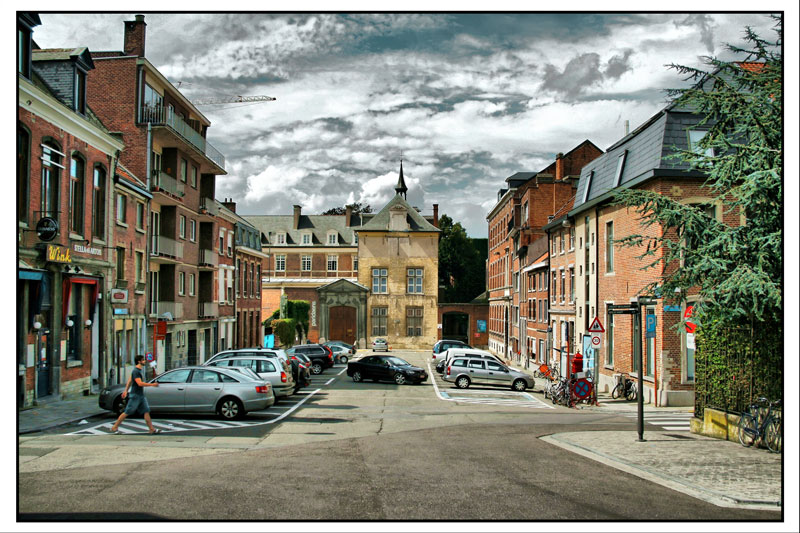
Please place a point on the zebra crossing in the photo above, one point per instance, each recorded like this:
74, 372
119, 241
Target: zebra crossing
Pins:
274, 414
674, 421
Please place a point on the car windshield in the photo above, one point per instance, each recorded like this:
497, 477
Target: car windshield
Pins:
379, 341
397, 361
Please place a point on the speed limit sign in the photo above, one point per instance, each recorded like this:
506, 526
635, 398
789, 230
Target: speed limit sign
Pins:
596, 341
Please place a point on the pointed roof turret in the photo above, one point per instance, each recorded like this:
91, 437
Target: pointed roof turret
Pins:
401, 184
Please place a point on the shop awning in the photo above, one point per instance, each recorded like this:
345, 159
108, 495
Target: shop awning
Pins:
68, 281
31, 275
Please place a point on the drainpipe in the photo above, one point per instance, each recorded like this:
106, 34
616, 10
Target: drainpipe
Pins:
148, 289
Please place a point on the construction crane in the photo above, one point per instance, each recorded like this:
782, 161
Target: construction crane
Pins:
232, 100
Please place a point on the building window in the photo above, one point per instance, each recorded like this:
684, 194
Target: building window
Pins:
414, 321
561, 242
257, 291
191, 284
305, 263
76, 188
140, 216
306, 238
415, 281
280, 238
572, 238
355, 238
221, 243
192, 230
553, 286
355, 263
238, 275
380, 277
230, 244
23, 170
184, 168
194, 176
139, 266
379, 319
333, 263
280, 263
252, 279
181, 283
532, 311
80, 91
609, 247
588, 186
563, 284
51, 165
122, 202
695, 136
332, 238
245, 280
120, 263
182, 226
571, 284
610, 340
24, 51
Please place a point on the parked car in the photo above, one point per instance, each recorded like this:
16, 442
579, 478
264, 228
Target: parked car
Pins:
349, 347
466, 371
266, 352
447, 355
385, 367
267, 368
340, 353
301, 370
446, 344
380, 345
198, 389
320, 356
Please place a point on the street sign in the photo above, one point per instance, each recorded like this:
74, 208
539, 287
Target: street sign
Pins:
650, 329
596, 326
596, 340
149, 356
583, 388
690, 326
623, 309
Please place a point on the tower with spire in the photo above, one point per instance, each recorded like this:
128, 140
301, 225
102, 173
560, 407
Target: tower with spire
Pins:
401, 188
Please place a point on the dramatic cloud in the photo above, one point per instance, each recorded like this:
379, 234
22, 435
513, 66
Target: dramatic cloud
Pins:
465, 99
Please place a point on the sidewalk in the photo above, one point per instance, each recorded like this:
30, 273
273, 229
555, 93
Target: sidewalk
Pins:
55, 413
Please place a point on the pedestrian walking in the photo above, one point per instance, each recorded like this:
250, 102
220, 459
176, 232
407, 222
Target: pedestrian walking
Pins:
137, 403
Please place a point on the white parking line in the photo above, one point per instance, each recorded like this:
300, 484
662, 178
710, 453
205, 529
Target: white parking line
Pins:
329, 381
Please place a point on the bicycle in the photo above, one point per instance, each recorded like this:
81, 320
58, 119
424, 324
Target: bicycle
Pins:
627, 388
756, 425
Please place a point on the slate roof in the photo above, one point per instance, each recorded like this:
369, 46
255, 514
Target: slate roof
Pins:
380, 222
319, 225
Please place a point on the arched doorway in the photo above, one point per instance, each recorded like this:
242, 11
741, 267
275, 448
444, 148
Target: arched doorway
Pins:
342, 323
455, 326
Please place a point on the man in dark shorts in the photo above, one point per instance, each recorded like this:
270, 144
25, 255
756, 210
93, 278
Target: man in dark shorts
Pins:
137, 403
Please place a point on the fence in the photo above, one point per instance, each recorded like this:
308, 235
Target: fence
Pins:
736, 365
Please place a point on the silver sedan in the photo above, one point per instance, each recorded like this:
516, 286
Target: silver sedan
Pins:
226, 392
464, 371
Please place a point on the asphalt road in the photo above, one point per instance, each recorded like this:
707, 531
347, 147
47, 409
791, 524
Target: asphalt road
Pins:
373, 451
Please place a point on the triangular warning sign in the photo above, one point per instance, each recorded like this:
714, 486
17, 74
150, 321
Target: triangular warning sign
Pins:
596, 326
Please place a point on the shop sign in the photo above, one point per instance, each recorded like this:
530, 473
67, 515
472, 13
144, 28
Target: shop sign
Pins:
87, 250
47, 228
119, 296
58, 254
120, 311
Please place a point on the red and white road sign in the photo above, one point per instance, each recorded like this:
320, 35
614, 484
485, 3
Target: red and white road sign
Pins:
596, 340
596, 326
690, 326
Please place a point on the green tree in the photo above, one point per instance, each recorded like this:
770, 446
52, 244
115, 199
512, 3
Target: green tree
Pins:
298, 311
737, 269
462, 268
357, 207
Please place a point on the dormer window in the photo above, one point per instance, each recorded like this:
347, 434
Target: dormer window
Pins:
280, 238
80, 91
333, 238
306, 238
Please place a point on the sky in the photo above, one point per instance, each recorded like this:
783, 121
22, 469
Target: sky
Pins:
465, 100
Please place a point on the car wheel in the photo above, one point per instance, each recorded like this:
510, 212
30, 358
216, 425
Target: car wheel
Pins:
316, 368
357, 376
399, 378
519, 385
343, 359
462, 382
119, 405
230, 408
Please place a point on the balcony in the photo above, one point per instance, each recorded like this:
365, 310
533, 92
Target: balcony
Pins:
159, 116
209, 206
163, 182
165, 248
208, 258
208, 309
168, 310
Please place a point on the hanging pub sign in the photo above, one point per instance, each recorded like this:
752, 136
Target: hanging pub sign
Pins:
47, 229
58, 254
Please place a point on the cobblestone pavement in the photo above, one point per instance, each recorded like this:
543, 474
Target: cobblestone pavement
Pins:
721, 472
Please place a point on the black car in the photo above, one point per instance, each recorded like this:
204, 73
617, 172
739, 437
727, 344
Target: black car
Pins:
385, 368
321, 357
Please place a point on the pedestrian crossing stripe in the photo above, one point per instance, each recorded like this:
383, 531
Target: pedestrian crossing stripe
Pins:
667, 421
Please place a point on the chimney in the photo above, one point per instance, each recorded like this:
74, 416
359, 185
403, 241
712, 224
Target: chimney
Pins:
627, 127
296, 216
229, 204
436, 215
559, 166
134, 36
348, 211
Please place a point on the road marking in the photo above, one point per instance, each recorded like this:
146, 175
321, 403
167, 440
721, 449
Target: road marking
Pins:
329, 381
667, 421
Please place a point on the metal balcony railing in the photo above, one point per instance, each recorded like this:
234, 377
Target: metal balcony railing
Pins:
164, 246
165, 182
162, 309
209, 205
208, 257
208, 309
161, 116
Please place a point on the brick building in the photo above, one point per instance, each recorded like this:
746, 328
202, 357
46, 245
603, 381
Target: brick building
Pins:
226, 273
610, 274
65, 160
165, 144
535, 303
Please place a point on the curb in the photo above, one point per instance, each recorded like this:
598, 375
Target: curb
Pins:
59, 423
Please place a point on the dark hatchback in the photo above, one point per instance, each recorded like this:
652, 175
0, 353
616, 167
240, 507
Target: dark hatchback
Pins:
385, 368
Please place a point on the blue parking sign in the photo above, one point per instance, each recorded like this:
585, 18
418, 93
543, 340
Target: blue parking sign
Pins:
650, 327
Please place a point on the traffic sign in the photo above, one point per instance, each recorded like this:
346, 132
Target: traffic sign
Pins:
148, 356
650, 327
596, 326
596, 341
583, 388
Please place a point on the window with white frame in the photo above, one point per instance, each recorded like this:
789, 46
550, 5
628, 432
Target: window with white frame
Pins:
415, 280
333, 238
182, 226
380, 277
280, 263
121, 208
192, 230
306, 239
610, 247
305, 263
280, 238
333, 263
191, 284
181, 283
355, 262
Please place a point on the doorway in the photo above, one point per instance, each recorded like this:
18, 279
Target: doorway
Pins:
455, 326
342, 320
